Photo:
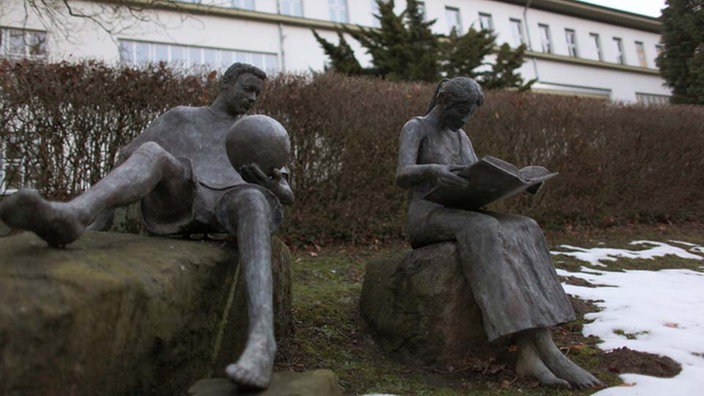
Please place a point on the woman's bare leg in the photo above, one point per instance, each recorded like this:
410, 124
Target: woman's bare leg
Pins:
558, 363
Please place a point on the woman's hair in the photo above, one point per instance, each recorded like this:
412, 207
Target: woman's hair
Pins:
458, 89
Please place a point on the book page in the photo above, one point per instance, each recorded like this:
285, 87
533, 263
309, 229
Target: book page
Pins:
490, 179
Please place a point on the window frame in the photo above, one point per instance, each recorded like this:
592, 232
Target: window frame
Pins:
517, 31
545, 38
620, 52
571, 41
338, 11
453, 18
640, 53
486, 18
596, 40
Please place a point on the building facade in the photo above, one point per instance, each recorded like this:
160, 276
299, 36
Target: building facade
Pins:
573, 47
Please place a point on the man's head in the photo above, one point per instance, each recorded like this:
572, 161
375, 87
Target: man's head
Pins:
240, 86
236, 70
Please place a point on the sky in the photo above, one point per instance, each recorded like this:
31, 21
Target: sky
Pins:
645, 7
659, 312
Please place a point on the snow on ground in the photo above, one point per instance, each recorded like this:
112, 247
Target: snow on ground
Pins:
662, 311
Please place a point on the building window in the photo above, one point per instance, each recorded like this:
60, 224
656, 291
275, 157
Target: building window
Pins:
620, 56
485, 21
571, 39
20, 43
12, 170
242, 4
141, 52
658, 49
545, 40
652, 99
517, 32
338, 10
596, 41
640, 50
292, 7
452, 16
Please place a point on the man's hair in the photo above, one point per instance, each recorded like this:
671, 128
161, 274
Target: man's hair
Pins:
236, 70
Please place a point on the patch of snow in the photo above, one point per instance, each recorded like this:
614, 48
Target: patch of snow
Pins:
663, 311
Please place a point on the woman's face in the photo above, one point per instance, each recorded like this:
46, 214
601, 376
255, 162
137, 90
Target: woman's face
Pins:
456, 114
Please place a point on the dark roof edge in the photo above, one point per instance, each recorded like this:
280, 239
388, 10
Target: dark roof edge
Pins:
593, 12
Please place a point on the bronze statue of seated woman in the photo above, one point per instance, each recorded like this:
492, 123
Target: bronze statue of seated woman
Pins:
505, 258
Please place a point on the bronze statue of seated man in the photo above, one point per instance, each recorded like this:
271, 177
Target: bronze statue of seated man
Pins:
180, 171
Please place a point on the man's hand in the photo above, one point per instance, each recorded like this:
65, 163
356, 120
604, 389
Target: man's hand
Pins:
276, 183
252, 173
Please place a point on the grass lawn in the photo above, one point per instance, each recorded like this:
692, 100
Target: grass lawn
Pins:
329, 332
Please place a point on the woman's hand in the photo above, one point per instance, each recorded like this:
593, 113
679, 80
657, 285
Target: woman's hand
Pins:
445, 176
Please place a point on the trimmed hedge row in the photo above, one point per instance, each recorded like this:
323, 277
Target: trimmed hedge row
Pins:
617, 163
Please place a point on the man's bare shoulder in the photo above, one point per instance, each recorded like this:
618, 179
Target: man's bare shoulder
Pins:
183, 112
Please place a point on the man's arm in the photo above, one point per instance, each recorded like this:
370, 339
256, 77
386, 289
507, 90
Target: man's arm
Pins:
277, 183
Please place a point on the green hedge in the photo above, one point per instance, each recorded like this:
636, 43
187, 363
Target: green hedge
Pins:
617, 163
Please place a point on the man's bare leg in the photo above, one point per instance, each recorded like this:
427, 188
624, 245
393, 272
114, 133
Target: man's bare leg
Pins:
60, 223
253, 214
558, 363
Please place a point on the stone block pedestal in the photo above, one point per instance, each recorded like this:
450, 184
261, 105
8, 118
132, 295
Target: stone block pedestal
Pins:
421, 309
116, 314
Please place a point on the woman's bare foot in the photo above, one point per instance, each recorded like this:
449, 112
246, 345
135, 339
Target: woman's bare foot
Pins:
254, 367
58, 223
559, 364
529, 364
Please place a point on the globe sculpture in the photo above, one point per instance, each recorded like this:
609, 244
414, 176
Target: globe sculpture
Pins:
258, 139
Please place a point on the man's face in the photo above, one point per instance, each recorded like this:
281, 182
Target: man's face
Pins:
241, 95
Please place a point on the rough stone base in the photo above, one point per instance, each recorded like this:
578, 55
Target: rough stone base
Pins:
310, 383
420, 308
117, 314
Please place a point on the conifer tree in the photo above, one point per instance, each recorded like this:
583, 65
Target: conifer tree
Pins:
405, 48
342, 59
504, 71
466, 54
681, 60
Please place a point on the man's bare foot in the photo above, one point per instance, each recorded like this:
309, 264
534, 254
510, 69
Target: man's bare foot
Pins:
559, 364
529, 364
254, 367
55, 222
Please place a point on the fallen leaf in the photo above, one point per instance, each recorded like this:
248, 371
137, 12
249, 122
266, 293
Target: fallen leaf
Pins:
672, 325
628, 384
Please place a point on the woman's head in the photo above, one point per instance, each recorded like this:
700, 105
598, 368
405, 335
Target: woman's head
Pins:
459, 89
457, 99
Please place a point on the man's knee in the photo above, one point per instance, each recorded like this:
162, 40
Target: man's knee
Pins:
150, 149
250, 201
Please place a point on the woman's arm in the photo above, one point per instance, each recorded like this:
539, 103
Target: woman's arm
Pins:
409, 173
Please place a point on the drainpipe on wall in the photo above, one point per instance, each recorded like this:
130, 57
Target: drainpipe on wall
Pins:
281, 38
530, 44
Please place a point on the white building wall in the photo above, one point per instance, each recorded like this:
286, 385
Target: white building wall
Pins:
295, 48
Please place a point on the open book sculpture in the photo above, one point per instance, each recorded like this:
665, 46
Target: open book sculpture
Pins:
490, 179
